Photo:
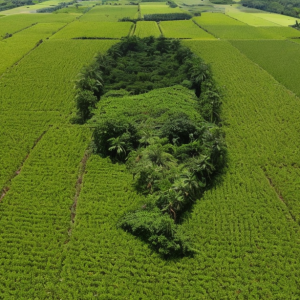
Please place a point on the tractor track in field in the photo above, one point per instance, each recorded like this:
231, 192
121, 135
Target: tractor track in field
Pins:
6, 187
280, 198
31, 50
78, 187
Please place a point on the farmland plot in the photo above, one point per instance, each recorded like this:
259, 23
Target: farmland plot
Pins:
217, 19
286, 55
110, 13
12, 24
144, 29
35, 215
251, 19
234, 32
36, 93
183, 29
48, 75
94, 30
158, 9
278, 19
15, 47
18, 134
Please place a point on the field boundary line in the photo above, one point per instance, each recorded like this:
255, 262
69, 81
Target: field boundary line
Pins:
6, 186
27, 53
204, 29
132, 32
261, 68
281, 198
33, 24
158, 25
78, 188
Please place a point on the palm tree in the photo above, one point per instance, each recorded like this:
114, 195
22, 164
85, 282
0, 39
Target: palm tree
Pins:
148, 137
156, 154
117, 145
90, 78
198, 75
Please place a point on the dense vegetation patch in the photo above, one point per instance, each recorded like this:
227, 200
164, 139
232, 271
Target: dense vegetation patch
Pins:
166, 133
167, 17
286, 7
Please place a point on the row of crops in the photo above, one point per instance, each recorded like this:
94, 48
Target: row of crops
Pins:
246, 228
15, 47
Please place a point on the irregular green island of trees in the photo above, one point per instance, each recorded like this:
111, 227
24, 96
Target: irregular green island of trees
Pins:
159, 114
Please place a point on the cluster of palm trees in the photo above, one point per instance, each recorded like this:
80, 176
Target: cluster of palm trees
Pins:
89, 87
172, 184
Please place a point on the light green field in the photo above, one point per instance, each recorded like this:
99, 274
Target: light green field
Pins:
71, 9
14, 48
158, 9
94, 30
238, 8
278, 19
31, 8
183, 29
246, 32
286, 55
12, 24
251, 19
153, 3
43, 80
107, 13
217, 19
39, 92
144, 29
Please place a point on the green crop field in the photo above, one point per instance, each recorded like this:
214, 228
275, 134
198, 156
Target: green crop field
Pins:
38, 107
236, 30
12, 24
144, 29
15, 47
278, 19
72, 9
60, 202
285, 53
16, 86
251, 19
214, 19
109, 13
158, 9
183, 29
94, 30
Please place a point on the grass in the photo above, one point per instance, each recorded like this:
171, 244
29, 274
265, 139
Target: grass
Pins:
183, 29
109, 13
94, 30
